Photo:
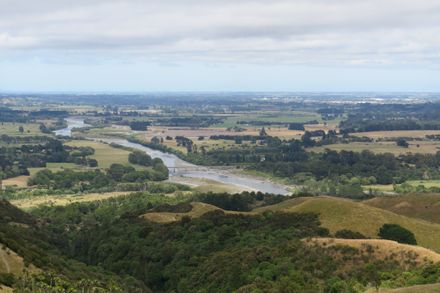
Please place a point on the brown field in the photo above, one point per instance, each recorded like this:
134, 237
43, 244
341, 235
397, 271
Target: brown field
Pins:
397, 133
425, 147
20, 181
162, 131
62, 200
383, 249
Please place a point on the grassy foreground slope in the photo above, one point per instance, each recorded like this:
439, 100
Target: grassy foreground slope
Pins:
382, 249
423, 206
336, 214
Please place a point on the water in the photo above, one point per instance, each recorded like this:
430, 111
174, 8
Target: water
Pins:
71, 124
179, 167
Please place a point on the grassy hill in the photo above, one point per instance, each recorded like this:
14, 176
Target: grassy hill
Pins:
423, 206
335, 214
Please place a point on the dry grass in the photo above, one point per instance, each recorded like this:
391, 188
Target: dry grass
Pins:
425, 147
383, 249
397, 133
20, 181
62, 200
10, 262
4, 289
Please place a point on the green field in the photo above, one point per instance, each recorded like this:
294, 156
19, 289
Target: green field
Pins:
104, 153
12, 129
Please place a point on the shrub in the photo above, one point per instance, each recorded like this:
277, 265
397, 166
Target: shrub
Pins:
397, 233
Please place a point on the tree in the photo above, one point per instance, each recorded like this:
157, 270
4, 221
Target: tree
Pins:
397, 233
155, 140
402, 143
263, 132
21, 129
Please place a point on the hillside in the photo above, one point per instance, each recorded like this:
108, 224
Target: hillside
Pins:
11, 262
423, 206
336, 214
383, 249
25, 246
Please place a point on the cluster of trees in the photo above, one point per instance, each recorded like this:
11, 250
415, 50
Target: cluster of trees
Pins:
21, 116
15, 160
140, 158
139, 125
369, 117
98, 180
38, 139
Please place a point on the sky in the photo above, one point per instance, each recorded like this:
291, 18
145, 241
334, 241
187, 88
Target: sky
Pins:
219, 45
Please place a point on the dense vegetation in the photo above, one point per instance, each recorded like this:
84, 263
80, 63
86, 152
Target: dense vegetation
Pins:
22, 233
14, 160
397, 233
117, 177
217, 252
370, 117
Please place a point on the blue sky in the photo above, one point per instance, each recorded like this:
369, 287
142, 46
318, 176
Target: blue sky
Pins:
220, 45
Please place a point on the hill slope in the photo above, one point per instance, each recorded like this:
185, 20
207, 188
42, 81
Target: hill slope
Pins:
336, 214
383, 249
423, 206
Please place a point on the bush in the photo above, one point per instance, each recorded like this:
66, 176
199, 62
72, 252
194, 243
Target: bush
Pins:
7, 279
397, 233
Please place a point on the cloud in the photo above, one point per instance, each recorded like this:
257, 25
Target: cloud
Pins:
323, 32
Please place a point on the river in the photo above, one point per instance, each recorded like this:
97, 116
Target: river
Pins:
179, 167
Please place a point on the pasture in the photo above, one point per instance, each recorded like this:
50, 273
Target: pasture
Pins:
13, 129
104, 153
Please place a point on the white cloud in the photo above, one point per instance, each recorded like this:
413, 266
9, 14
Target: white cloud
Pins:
350, 32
